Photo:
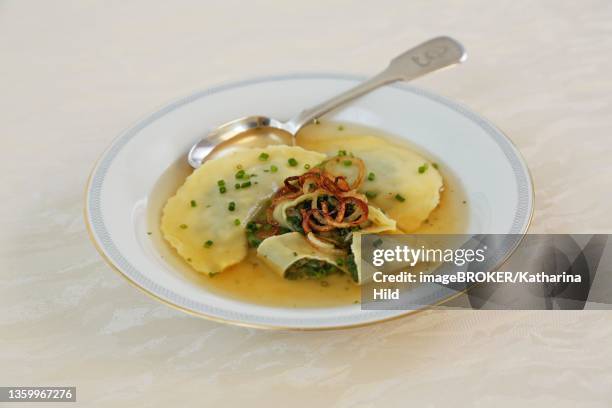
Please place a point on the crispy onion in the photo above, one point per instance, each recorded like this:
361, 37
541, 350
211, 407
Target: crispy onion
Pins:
359, 215
348, 208
308, 224
317, 179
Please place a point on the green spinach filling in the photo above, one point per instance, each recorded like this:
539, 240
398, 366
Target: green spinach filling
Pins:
309, 268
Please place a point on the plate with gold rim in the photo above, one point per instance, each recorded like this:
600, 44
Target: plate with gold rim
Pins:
143, 165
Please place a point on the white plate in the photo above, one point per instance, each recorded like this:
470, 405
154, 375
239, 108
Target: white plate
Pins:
495, 178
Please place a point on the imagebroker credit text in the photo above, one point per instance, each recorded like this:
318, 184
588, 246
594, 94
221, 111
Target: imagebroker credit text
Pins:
476, 277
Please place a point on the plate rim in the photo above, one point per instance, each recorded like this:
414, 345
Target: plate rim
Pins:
522, 219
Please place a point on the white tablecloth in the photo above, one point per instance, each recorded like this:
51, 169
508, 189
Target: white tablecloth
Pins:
73, 74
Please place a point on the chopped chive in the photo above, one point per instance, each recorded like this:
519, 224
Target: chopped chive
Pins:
208, 244
339, 262
340, 127
292, 162
240, 174
295, 254
371, 176
400, 198
307, 166
246, 184
183, 226
264, 156
423, 168
222, 189
266, 171
212, 274
231, 206
221, 183
236, 222
273, 169
149, 232
347, 163
316, 121
252, 226
193, 203
371, 194
435, 165
341, 152
237, 186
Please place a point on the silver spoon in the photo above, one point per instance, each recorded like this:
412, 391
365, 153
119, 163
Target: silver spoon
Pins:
432, 55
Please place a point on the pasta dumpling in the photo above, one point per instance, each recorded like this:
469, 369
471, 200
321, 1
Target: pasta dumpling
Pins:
205, 221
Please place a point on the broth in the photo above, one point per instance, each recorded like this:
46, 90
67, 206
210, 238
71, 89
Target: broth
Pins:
252, 281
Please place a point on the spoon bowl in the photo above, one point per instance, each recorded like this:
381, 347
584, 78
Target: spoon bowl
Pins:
250, 131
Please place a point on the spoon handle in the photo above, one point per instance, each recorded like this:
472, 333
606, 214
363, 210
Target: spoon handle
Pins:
432, 55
